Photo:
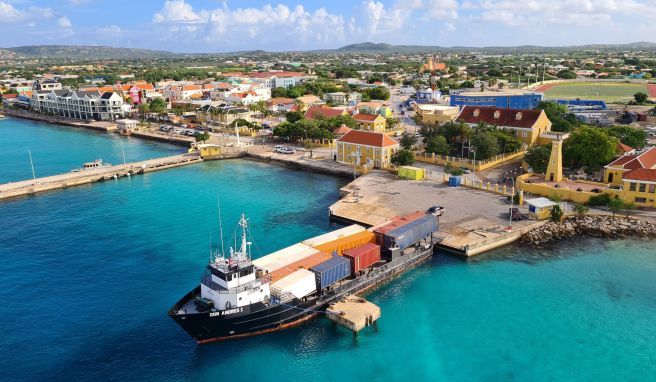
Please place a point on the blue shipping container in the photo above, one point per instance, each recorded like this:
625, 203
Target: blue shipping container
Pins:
331, 271
411, 233
454, 181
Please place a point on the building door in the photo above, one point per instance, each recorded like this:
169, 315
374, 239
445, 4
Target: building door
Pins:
610, 178
551, 177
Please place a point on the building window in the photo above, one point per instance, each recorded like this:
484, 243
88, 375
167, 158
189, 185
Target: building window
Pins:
641, 200
643, 187
652, 188
632, 186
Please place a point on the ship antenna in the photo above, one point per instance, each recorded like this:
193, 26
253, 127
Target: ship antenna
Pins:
218, 202
211, 257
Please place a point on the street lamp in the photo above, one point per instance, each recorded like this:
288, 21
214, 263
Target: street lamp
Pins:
512, 200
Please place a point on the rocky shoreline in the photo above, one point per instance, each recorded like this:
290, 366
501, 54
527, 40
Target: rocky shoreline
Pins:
615, 227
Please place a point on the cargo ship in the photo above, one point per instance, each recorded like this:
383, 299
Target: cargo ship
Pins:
239, 297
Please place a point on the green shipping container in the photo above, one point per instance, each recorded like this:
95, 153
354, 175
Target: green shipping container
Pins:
411, 172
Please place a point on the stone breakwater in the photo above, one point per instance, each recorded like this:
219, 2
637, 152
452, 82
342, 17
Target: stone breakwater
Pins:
596, 226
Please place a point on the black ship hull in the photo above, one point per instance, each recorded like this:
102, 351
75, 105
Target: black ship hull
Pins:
262, 318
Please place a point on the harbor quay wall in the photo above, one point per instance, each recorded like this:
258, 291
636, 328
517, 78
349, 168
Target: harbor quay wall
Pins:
24, 114
548, 191
319, 166
610, 226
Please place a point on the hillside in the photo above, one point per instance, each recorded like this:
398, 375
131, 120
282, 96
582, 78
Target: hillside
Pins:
89, 52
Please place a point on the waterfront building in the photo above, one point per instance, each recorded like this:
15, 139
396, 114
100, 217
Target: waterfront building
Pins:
80, 104
370, 122
540, 208
511, 99
364, 148
614, 172
436, 114
528, 124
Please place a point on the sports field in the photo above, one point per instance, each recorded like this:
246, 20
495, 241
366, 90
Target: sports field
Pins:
607, 91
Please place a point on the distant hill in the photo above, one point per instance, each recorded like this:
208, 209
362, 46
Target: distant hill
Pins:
370, 47
90, 52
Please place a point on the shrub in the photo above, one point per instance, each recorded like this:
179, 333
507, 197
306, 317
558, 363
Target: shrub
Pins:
599, 200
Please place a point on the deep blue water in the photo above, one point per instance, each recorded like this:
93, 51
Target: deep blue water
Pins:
59, 149
87, 275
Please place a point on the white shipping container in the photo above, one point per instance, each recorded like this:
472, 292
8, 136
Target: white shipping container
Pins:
298, 284
283, 257
334, 235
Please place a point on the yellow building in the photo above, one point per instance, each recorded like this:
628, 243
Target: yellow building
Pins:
208, 150
436, 114
639, 187
370, 122
363, 148
540, 208
555, 167
527, 123
614, 171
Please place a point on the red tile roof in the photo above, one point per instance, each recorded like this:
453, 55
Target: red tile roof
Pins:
622, 148
342, 130
281, 101
644, 174
368, 139
314, 112
366, 117
505, 117
645, 160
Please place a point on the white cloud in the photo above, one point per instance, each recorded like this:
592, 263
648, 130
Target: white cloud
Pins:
64, 22
268, 24
110, 29
11, 14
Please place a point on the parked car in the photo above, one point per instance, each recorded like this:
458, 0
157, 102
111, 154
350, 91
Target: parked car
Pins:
515, 214
286, 150
436, 211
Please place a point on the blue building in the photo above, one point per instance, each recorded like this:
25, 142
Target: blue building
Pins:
505, 99
583, 104
428, 95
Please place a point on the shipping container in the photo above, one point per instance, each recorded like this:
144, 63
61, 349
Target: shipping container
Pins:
337, 247
409, 234
410, 172
334, 235
296, 285
363, 257
305, 263
331, 271
283, 257
398, 222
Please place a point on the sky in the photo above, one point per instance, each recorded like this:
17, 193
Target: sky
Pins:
286, 25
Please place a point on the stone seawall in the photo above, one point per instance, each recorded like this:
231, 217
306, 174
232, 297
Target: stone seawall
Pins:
615, 227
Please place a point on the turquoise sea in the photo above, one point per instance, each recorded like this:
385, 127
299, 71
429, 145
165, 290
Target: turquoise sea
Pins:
87, 275
60, 149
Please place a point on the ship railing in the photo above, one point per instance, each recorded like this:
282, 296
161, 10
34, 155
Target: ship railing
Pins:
207, 280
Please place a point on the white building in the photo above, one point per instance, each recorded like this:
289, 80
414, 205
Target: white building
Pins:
80, 105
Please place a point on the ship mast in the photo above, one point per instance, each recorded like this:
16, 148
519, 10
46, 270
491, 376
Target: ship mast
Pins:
243, 253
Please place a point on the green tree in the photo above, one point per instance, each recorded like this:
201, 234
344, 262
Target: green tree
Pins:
408, 140
392, 123
633, 137
466, 85
379, 93
580, 209
537, 158
157, 106
202, 137
144, 109
557, 213
403, 157
438, 145
590, 146
615, 205
278, 92
486, 145
567, 74
293, 116
640, 97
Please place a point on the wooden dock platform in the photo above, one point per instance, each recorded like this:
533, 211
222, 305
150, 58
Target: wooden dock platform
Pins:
353, 312
48, 183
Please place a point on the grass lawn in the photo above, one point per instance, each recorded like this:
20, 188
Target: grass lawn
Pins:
607, 91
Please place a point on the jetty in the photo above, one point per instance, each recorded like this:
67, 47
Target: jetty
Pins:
354, 313
70, 179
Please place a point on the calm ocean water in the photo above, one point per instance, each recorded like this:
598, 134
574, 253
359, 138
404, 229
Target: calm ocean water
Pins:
87, 275
59, 149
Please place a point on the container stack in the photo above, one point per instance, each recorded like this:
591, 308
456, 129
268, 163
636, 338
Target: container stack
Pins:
296, 285
284, 257
404, 232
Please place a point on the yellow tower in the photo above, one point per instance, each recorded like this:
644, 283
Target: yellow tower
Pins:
555, 167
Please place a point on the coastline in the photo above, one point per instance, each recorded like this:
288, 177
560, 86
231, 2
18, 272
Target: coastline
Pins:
599, 226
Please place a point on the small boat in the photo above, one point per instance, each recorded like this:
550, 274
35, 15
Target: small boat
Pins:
98, 163
2, 116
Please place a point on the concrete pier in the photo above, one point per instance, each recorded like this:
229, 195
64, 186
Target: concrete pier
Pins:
354, 313
474, 221
33, 186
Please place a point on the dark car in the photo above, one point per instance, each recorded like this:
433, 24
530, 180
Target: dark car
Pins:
515, 214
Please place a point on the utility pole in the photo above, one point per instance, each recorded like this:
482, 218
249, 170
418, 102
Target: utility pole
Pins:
32, 164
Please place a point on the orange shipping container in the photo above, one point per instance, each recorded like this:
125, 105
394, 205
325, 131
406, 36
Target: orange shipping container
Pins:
306, 263
342, 244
